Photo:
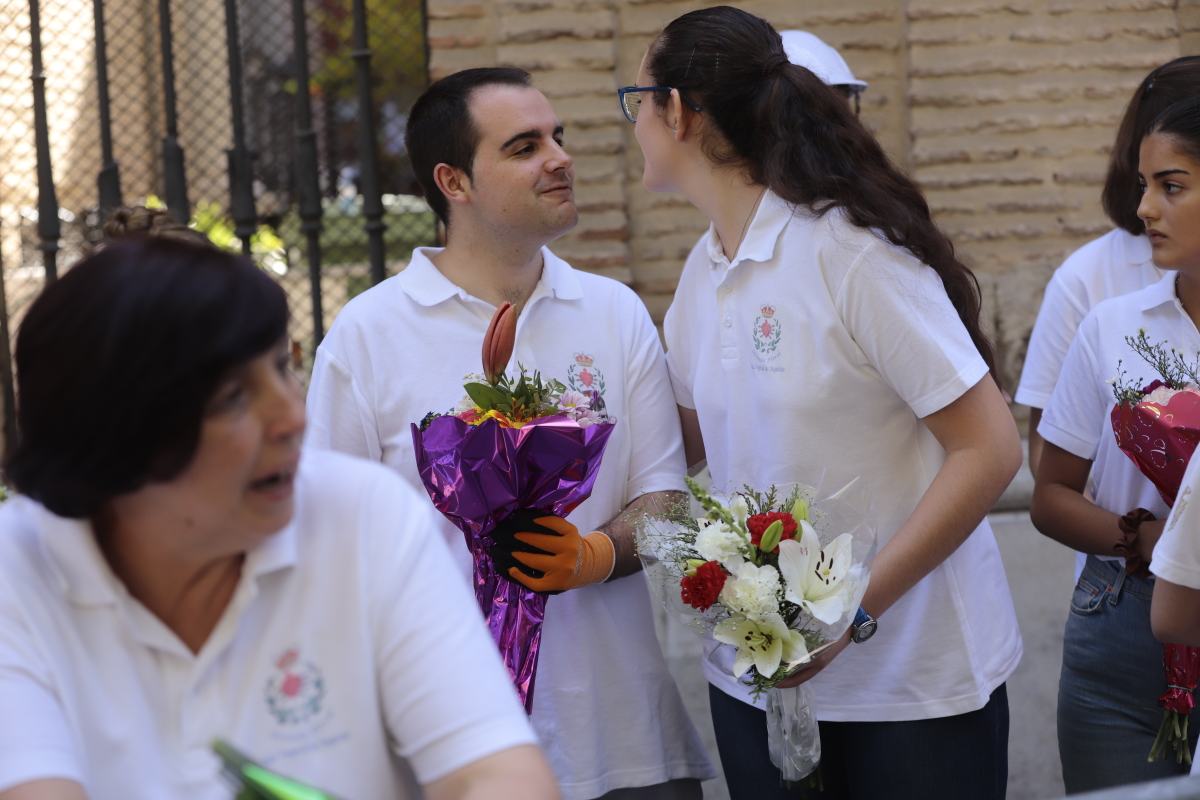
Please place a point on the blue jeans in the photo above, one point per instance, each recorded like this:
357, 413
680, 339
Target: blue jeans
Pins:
1112, 675
964, 756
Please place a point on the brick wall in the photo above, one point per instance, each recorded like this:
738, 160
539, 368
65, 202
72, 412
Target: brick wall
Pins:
1003, 110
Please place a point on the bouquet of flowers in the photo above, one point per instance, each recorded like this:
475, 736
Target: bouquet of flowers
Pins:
775, 574
1158, 426
512, 443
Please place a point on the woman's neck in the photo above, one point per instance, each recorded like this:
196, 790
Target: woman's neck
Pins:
186, 587
729, 199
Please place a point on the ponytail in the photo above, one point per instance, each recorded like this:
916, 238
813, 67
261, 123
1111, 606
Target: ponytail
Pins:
798, 137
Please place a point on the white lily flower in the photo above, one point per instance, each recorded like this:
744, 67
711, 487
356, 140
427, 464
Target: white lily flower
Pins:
762, 643
752, 591
814, 578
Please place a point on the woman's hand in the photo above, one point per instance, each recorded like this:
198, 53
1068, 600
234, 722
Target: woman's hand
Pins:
819, 662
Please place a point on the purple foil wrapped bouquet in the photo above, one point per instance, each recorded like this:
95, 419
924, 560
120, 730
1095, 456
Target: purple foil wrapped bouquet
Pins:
511, 443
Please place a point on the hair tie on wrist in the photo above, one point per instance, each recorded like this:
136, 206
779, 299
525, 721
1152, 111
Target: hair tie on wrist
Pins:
1129, 524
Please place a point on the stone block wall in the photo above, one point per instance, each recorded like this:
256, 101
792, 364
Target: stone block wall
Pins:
1003, 110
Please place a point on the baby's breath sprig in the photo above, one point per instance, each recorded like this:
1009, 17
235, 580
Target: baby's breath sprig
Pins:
1175, 370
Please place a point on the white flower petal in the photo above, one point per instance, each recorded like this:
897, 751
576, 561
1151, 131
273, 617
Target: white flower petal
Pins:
827, 609
794, 560
832, 565
795, 649
768, 655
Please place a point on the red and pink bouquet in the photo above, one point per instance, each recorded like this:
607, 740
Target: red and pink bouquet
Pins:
1158, 426
512, 443
777, 577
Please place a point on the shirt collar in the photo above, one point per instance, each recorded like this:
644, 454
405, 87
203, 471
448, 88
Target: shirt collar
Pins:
771, 217
426, 285
85, 576
1137, 250
74, 555
1160, 292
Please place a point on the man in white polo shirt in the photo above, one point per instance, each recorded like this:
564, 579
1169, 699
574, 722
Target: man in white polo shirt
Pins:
487, 148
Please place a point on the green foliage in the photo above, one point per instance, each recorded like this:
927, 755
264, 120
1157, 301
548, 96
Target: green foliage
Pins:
527, 397
398, 70
407, 224
209, 219
712, 509
1167, 362
768, 501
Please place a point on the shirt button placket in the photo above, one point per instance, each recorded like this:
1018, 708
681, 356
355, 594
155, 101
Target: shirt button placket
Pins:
729, 350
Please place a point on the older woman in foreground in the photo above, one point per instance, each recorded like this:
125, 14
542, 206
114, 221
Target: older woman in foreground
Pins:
178, 569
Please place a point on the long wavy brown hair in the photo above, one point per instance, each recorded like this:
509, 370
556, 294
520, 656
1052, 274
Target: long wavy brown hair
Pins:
795, 135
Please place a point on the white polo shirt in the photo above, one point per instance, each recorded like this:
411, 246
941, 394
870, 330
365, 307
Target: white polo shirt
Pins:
1114, 264
815, 353
1077, 417
1176, 555
606, 709
342, 649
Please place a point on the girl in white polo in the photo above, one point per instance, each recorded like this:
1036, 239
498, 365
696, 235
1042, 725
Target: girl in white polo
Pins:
823, 326
1111, 265
1091, 497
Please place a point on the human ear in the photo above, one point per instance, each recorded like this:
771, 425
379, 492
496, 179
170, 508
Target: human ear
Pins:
452, 182
676, 116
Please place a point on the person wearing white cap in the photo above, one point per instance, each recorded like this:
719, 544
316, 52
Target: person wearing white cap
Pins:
809, 51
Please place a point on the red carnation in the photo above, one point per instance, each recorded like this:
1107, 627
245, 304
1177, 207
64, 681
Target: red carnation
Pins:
700, 590
757, 524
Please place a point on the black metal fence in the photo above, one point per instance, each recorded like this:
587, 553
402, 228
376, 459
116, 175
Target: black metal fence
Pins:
274, 126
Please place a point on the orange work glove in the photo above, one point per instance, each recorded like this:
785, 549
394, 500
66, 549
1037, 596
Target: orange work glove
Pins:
547, 554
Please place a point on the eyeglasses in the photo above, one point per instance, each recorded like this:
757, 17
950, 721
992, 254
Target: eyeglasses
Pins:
630, 98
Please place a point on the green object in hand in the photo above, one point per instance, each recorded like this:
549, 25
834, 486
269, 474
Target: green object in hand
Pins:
256, 782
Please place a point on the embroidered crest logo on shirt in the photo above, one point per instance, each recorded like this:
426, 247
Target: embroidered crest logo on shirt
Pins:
582, 375
766, 333
296, 690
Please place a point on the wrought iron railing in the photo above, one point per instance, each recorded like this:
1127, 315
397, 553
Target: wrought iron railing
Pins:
135, 102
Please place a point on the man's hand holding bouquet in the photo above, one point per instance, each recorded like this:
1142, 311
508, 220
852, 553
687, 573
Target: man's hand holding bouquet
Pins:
777, 576
1158, 426
514, 458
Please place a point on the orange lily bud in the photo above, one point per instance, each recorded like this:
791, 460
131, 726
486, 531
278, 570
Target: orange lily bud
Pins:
498, 342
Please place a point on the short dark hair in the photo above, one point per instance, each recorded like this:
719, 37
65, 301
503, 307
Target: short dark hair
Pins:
441, 131
1181, 121
1174, 81
118, 359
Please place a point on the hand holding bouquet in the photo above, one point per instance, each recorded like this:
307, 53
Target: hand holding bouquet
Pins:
773, 574
513, 443
1158, 426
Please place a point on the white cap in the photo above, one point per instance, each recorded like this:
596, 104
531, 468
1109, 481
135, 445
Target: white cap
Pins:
806, 50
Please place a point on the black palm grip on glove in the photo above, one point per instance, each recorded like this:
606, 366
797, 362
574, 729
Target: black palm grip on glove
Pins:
504, 541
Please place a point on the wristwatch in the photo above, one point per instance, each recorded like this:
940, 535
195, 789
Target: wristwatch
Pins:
863, 627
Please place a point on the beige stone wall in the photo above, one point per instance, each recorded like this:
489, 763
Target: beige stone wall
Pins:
1003, 110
